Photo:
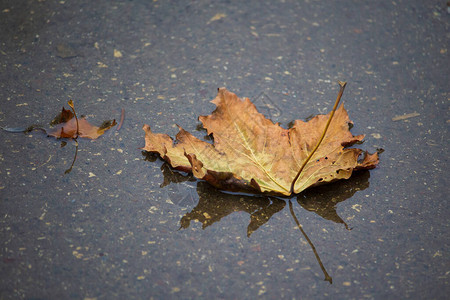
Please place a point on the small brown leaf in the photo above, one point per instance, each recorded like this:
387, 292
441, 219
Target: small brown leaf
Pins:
67, 125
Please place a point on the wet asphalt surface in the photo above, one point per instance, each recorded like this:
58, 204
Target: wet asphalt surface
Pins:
123, 225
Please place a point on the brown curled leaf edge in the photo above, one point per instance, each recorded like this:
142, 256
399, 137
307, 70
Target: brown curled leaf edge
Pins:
252, 154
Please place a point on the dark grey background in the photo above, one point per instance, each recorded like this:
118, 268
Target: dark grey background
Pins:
116, 227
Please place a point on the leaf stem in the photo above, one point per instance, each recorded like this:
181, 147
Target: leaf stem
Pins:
76, 119
336, 103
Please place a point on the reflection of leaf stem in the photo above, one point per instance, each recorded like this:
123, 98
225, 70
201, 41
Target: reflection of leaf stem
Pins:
76, 119
74, 158
327, 277
24, 130
341, 91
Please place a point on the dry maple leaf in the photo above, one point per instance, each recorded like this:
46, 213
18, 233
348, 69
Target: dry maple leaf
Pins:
252, 154
69, 126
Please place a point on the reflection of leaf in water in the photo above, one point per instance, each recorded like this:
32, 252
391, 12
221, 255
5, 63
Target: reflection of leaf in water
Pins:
149, 156
180, 193
323, 199
327, 276
214, 205
170, 176
174, 177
